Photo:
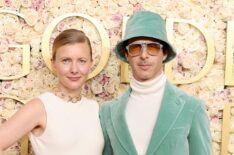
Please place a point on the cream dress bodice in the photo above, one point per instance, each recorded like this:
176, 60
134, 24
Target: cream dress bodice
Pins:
71, 128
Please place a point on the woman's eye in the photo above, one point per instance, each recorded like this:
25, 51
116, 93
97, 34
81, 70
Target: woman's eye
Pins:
65, 61
82, 61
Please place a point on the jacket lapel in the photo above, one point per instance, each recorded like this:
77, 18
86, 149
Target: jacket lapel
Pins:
170, 109
120, 124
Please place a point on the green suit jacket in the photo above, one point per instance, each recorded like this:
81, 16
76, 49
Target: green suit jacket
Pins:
182, 127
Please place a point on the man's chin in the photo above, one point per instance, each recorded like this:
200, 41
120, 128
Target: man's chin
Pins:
143, 78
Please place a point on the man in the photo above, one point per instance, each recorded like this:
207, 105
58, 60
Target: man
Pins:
153, 117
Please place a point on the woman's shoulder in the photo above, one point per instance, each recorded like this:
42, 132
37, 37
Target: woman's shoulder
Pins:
36, 103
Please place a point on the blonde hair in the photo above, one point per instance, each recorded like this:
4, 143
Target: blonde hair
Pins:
70, 36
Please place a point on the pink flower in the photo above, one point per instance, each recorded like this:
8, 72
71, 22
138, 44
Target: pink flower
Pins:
62, 26
86, 87
4, 42
105, 79
8, 3
37, 4
103, 94
1, 102
7, 86
138, 7
117, 18
215, 119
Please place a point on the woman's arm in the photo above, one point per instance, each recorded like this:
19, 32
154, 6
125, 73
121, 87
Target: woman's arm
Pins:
29, 117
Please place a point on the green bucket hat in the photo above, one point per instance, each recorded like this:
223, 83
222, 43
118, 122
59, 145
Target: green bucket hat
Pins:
145, 24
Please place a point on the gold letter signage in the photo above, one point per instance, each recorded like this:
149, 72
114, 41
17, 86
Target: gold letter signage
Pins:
26, 53
210, 51
229, 54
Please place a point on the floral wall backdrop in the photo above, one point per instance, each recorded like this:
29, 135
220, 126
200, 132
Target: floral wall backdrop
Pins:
189, 43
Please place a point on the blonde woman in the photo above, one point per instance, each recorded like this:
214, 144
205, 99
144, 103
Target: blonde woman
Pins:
61, 122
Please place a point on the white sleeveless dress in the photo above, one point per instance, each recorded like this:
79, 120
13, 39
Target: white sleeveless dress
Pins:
71, 128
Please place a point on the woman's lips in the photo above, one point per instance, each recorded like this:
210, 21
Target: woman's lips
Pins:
73, 78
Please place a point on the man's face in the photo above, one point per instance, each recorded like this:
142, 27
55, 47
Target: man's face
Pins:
145, 56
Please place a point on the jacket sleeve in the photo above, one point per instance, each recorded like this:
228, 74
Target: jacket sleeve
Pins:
107, 147
199, 136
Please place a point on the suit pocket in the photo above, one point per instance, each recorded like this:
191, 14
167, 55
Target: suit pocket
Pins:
175, 142
176, 137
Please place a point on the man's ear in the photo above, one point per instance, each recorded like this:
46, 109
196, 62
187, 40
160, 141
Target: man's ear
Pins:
165, 54
126, 55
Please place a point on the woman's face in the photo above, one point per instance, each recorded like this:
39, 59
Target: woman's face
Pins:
72, 65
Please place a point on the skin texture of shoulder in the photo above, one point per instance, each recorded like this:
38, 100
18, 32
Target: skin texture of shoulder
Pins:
31, 117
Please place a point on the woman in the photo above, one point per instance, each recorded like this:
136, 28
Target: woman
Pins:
61, 122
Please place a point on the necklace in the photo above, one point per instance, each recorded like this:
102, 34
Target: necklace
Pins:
66, 97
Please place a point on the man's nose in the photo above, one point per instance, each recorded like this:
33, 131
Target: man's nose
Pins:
144, 53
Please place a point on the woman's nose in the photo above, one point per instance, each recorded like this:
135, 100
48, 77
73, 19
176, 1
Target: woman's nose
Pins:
74, 68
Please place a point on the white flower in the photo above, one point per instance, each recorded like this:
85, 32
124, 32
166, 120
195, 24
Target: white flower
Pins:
103, 2
2, 3
123, 3
16, 69
26, 3
133, 1
232, 111
7, 86
96, 87
13, 150
113, 8
231, 148
14, 3
31, 17
66, 8
215, 146
183, 28
24, 35
16, 57
82, 6
4, 43
39, 27
35, 44
112, 85
51, 3
2, 24
216, 136
9, 105
62, 26
7, 113
5, 68
11, 24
